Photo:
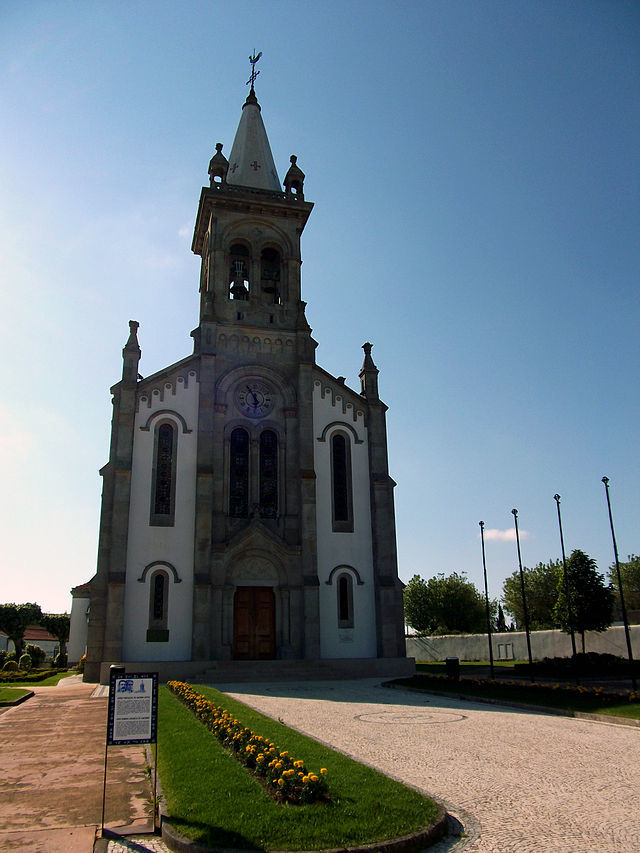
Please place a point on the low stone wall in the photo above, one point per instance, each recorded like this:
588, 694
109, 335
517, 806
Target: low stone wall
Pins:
513, 645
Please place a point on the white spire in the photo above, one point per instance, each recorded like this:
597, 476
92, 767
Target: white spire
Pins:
251, 162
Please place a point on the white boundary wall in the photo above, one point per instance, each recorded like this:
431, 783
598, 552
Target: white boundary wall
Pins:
513, 645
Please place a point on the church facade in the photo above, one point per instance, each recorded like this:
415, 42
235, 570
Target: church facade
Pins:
247, 507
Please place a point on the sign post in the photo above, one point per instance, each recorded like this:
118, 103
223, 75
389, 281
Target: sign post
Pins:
132, 718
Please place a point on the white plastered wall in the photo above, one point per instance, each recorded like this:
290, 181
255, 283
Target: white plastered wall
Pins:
77, 644
333, 410
176, 401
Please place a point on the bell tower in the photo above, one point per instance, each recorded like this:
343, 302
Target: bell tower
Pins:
247, 233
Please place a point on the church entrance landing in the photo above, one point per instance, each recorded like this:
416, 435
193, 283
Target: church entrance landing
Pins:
254, 623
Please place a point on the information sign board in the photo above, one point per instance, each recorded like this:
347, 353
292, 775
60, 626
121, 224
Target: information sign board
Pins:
133, 708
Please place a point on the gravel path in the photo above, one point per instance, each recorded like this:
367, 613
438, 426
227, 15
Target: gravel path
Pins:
519, 782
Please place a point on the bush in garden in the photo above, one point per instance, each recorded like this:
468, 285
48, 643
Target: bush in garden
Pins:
11, 655
37, 654
60, 661
80, 664
3, 656
10, 666
25, 663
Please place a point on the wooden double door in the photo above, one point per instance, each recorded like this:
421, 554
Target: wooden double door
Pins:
254, 623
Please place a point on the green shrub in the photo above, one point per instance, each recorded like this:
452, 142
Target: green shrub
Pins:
3, 656
60, 661
11, 655
37, 654
10, 666
25, 663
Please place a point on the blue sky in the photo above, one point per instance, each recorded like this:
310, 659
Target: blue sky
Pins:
475, 173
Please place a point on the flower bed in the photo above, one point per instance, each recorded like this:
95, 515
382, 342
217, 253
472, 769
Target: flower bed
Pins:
286, 778
538, 689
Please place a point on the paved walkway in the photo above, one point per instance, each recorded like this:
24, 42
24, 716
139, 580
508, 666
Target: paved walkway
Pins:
52, 771
520, 782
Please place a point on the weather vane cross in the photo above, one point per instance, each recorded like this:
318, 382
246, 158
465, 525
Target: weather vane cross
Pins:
253, 59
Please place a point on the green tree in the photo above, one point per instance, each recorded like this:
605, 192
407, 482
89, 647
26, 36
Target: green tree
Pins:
630, 574
446, 605
58, 625
416, 605
14, 619
541, 591
591, 599
501, 622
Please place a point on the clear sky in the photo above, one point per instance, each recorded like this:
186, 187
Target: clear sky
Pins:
475, 168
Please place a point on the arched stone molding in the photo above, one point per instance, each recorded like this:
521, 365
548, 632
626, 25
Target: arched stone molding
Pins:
254, 234
166, 413
345, 568
254, 567
340, 425
160, 564
228, 380
254, 428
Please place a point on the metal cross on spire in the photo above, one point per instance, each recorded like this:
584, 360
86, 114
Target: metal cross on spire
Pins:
253, 59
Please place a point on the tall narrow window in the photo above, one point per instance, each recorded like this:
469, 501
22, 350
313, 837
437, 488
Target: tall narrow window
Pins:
268, 474
345, 601
164, 476
341, 483
239, 474
157, 632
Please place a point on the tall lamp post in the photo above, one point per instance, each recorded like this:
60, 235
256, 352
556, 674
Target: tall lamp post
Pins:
556, 498
486, 598
514, 512
605, 480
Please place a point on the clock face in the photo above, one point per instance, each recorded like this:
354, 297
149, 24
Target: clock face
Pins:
254, 399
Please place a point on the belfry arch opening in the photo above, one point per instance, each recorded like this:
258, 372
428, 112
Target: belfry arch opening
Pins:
239, 264
270, 275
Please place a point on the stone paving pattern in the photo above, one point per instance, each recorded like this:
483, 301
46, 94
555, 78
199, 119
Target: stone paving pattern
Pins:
519, 782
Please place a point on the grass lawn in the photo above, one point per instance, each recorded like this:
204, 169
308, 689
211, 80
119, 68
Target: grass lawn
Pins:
212, 798
51, 681
524, 693
10, 694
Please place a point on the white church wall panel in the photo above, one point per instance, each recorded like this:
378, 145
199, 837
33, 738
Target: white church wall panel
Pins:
168, 548
334, 413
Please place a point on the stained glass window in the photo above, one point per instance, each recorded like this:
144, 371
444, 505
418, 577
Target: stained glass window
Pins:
268, 474
164, 470
239, 474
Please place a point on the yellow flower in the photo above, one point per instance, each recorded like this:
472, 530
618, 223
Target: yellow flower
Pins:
323, 770
284, 754
313, 777
281, 782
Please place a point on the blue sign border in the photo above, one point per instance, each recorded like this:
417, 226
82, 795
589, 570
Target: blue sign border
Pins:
111, 741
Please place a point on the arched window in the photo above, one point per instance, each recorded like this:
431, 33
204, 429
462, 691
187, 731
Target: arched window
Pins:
345, 600
270, 275
239, 474
341, 495
239, 272
163, 488
157, 632
268, 474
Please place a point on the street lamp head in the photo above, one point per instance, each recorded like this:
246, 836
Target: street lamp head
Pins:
605, 480
556, 498
514, 512
481, 523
